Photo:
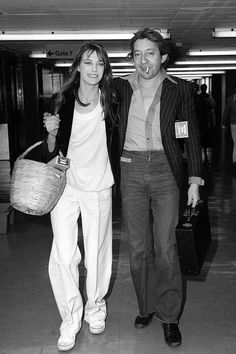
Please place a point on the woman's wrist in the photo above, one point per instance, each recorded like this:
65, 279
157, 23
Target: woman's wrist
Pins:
51, 142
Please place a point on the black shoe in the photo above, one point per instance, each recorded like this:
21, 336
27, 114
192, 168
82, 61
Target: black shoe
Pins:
172, 334
141, 322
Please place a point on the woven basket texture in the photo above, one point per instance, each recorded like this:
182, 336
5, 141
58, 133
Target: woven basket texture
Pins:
35, 186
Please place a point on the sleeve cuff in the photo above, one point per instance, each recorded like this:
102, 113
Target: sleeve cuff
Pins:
196, 180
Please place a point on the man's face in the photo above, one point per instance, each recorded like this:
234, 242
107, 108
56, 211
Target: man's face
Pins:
147, 58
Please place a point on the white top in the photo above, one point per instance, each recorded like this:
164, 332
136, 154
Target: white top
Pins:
90, 168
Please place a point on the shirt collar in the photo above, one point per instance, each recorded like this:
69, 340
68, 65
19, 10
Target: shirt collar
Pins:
166, 76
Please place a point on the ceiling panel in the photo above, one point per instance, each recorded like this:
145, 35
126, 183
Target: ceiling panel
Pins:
190, 22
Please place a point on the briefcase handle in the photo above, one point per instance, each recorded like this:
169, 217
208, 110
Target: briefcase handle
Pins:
190, 212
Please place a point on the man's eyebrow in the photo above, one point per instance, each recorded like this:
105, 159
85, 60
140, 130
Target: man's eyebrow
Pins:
139, 50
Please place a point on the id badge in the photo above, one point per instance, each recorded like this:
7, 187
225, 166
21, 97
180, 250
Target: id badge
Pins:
181, 129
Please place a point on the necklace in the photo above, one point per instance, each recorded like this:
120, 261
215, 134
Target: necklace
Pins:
88, 100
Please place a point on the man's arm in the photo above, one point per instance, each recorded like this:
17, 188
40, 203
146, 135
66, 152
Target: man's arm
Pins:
192, 145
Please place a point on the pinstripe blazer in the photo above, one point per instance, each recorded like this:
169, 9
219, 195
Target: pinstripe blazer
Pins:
177, 103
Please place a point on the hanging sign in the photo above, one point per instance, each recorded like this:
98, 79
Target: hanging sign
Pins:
60, 54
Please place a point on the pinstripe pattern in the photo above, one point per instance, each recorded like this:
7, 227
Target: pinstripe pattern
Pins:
177, 103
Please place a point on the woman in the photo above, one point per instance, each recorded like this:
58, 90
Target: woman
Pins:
81, 129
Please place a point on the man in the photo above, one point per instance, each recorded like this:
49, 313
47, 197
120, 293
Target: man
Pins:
206, 117
229, 120
156, 113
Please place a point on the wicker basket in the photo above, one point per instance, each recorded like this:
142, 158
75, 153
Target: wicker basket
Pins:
35, 186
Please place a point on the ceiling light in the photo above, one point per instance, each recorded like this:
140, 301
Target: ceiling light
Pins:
120, 74
210, 52
195, 76
204, 68
124, 64
38, 55
66, 64
72, 35
117, 54
54, 36
205, 72
191, 78
224, 32
123, 70
63, 65
206, 62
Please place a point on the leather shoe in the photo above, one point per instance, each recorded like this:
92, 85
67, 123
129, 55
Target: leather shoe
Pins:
172, 334
141, 322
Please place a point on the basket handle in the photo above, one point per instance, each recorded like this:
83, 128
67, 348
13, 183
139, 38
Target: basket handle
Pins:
31, 148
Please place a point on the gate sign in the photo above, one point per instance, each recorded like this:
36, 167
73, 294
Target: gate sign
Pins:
60, 54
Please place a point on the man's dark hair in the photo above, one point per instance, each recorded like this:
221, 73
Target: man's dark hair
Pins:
151, 34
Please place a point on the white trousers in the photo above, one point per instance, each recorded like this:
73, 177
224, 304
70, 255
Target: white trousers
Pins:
96, 214
233, 133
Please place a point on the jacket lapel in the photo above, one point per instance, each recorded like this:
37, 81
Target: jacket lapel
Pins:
66, 112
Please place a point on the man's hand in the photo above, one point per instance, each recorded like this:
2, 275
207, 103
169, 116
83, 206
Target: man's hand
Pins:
193, 194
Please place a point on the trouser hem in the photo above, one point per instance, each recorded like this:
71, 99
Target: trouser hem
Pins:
166, 321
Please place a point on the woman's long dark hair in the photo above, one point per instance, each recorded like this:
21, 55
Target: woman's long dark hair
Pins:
105, 84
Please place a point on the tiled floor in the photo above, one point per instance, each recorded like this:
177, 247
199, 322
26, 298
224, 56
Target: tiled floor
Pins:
29, 319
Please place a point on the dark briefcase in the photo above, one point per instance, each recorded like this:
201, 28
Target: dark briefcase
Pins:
193, 236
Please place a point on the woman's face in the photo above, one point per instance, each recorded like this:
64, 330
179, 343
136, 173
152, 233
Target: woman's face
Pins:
91, 68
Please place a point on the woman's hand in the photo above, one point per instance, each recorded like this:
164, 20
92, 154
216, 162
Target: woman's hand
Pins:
51, 123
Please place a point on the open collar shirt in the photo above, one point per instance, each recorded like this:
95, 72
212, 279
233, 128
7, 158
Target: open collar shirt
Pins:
143, 128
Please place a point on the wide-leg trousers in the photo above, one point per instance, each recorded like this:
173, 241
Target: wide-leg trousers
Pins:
96, 214
150, 202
